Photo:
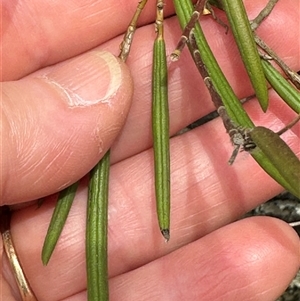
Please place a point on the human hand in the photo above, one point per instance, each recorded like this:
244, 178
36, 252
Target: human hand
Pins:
47, 145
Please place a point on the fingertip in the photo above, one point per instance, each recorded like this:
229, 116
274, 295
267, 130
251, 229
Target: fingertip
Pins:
253, 257
268, 255
59, 122
282, 236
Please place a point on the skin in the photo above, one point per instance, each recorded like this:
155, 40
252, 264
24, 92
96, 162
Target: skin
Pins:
210, 255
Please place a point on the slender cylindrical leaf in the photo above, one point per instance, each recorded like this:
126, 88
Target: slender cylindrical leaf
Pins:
58, 220
284, 89
96, 232
160, 130
241, 29
184, 9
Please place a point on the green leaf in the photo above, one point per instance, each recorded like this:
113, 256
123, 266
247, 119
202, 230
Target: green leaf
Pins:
58, 220
160, 129
96, 232
285, 167
184, 9
283, 88
241, 29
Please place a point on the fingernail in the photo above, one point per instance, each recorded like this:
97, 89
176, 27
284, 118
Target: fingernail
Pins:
87, 79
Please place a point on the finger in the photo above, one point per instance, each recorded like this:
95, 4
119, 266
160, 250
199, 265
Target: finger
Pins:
35, 42
206, 195
58, 123
6, 286
253, 259
36, 35
189, 99
223, 264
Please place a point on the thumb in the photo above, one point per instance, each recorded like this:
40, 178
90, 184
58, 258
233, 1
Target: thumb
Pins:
58, 123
